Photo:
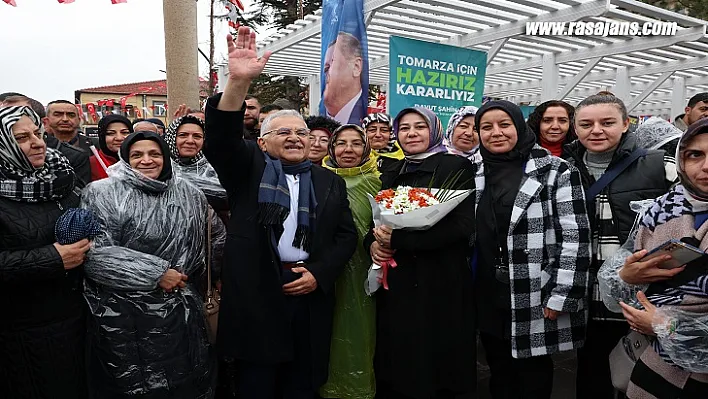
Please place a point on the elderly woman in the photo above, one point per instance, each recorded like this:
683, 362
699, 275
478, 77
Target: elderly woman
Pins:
384, 148
185, 137
533, 243
112, 130
657, 134
615, 171
461, 137
552, 122
321, 128
147, 333
351, 366
42, 332
674, 317
425, 345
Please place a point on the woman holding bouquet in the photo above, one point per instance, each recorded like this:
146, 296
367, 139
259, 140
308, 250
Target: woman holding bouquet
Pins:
425, 345
533, 243
351, 364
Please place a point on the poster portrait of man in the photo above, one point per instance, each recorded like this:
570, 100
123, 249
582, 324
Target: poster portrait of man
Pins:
344, 74
343, 79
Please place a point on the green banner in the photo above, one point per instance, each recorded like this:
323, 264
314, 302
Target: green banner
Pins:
436, 76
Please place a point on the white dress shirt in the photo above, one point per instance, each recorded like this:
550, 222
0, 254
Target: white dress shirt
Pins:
345, 113
288, 253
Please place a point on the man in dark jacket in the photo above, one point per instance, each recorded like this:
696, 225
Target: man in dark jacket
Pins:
290, 234
696, 109
78, 158
62, 121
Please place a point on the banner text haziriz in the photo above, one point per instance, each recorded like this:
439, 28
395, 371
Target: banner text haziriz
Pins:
435, 79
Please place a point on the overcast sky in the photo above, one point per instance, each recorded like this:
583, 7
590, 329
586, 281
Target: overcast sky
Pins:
51, 49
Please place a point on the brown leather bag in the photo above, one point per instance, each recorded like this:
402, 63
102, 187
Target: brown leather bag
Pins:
213, 298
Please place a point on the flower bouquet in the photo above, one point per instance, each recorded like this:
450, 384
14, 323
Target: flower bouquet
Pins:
409, 208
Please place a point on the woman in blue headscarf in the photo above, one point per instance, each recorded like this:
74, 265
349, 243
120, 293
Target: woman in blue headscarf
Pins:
425, 321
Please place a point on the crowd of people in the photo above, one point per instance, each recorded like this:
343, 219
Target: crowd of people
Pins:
109, 250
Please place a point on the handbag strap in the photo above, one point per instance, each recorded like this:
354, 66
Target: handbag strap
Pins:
612, 174
210, 289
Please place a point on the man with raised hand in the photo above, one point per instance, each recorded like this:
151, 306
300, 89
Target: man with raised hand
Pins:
290, 235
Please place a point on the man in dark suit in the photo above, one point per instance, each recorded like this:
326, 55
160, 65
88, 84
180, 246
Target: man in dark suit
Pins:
290, 234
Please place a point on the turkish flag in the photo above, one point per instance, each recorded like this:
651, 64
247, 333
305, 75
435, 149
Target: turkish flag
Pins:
81, 112
237, 3
66, 1
91, 110
109, 103
119, 1
123, 100
11, 2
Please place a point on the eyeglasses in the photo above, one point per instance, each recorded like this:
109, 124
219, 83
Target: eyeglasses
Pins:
343, 144
284, 132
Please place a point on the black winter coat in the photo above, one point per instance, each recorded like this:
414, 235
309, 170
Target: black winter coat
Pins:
42, 316
643, 179
253, 325
78, 159
425, 339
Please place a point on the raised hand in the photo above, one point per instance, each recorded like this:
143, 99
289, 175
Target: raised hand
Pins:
244, 63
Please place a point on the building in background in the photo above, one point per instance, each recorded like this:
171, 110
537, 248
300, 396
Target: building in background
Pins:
134, 100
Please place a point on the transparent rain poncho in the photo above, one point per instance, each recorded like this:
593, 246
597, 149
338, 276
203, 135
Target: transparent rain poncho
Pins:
202, 175
143, 340
351, 368
682, 330
612, 288
655, 133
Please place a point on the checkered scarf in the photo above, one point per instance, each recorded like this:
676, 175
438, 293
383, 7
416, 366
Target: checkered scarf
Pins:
382, 118
171, 139
455, 120
19, 180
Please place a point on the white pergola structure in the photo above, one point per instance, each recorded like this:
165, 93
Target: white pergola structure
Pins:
654, 75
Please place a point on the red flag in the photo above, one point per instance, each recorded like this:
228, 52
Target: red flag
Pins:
118, 1
66, 1
123, 100
11, 2
81, 112
138, 114
237, 3
109, 103
91, 110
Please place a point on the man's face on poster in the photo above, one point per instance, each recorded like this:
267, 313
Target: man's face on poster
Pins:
343, 69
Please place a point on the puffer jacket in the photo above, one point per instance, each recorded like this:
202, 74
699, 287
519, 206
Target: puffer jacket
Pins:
42, 311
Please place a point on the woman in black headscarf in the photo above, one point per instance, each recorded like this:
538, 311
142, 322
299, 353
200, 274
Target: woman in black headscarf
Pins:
147, 333
112, 130
533, 254
42, 312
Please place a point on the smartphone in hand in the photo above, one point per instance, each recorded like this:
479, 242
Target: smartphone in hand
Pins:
681, 253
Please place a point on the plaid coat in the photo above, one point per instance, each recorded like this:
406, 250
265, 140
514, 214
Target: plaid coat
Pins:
549, 256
